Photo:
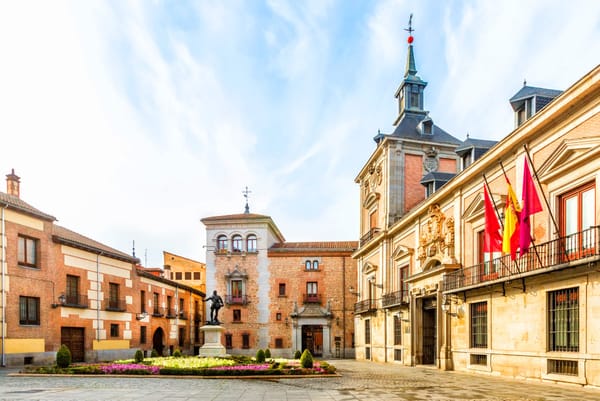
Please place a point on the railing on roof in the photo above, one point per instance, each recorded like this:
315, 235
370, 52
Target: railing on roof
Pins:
369, 235
561, 251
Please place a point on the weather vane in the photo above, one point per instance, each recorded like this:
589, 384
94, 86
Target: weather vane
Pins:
246, 192
410, 30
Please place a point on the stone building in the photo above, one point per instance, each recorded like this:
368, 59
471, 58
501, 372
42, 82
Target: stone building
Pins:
430, 295
285, 296
60, 287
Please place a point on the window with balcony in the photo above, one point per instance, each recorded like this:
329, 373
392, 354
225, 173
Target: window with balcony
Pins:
156, 305
237, 291
479, 332
236, 243
28, 251
222, 244
251, 243
29, 311
114, 303
72, 292
577, 214
312, 292
563, 320
170, 310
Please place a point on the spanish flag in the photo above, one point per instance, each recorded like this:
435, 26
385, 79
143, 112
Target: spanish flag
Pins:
510, 239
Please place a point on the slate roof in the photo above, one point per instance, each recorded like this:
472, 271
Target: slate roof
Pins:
529, 91
437, 176
65, 236
14, 202
471, 143
239, 216
350, 246
407, 129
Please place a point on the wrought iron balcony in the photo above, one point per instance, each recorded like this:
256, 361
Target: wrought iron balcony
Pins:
552, 255
236, 299
368, 236
171, 313
76, 301
115, 305
395, 298
158, 312
368, 305
312, 298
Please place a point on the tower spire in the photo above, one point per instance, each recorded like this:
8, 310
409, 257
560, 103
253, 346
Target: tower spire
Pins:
245, 193
411, 66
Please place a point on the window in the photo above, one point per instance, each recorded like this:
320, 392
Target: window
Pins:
170, 311
181, 307
114, 330
197, 276
29, 311
563, 320
251, 243
228, 341
307, 265
236, 243
479, 325
373, 217
236, 291
181, 336
113, 296
368, 331
222, 243
397, 330
72, 290
279, 343
188, 275
414, 97
245, 341
142, 301
143, 335
315, 265
237, 315
278, 316
27, 252
155, 304
177, 275
311, 265
282, 289
577, 211
403, 273
312, 294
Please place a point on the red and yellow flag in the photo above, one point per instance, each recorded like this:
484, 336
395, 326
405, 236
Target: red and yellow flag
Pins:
510, 239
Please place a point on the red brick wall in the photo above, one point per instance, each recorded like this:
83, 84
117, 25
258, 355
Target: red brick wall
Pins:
414, 192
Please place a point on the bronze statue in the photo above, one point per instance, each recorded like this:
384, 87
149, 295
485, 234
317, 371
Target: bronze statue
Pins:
216, 304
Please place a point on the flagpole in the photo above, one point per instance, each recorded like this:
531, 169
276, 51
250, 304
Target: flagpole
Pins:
510, 185
487, 186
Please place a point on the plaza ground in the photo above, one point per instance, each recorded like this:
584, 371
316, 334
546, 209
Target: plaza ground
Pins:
358, 381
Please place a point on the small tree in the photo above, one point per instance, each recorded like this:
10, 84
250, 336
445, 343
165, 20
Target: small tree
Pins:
297, 354
306, 360
260, 356
154, 353
63, 357
177, 353
139, 356
267, 353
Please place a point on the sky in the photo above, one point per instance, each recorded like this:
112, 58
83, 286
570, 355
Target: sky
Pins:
132, 120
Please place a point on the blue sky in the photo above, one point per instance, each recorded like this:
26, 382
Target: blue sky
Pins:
132, 120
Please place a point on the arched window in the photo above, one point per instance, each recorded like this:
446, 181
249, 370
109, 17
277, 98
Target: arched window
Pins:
315, 265
251, 243
236, 243
307, 265
221, 243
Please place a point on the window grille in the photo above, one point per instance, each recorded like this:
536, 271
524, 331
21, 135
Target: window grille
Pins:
397, 355
563, 320
562, 367
479, 325
368, 332
478, 359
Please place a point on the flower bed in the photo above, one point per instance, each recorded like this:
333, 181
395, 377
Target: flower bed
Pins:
192, 366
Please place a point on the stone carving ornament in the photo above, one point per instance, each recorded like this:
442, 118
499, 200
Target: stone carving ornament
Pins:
437, 237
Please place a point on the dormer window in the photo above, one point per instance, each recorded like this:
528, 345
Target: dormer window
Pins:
466, 160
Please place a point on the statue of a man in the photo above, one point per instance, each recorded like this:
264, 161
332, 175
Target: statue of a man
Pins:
216, 304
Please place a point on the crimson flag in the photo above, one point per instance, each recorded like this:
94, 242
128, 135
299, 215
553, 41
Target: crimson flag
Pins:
492, 239
529, 206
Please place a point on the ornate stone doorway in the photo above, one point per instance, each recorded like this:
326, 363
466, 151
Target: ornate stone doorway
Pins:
312, 339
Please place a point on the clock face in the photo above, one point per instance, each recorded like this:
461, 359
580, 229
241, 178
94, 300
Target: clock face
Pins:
430, 164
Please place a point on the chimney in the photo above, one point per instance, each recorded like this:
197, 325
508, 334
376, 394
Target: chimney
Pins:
12, 183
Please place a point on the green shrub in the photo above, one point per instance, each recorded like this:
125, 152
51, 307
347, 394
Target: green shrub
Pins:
139, 356
260, 356
297, 354
154, 353
267, 353
306, 360
177, 353
63, 357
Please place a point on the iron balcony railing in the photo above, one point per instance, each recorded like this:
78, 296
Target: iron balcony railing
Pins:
171, 313
76, 301
395, 298
368, 305
561, 251
369, 235
158, 311
236, 299
312, 298
115, 305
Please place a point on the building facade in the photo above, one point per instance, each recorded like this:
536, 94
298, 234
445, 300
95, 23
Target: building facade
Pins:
60, 287
185, 270
285, 296
430, 295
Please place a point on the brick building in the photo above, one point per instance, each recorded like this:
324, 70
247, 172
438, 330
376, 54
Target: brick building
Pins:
185, 270
285, 296
61, 287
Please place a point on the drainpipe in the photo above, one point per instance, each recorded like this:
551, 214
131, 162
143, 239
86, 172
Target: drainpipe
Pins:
98, 296
3, 267
343, 307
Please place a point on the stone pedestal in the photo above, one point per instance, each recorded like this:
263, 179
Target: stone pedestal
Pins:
212, 341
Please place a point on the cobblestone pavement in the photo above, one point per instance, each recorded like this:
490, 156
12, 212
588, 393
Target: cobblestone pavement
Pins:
358, 381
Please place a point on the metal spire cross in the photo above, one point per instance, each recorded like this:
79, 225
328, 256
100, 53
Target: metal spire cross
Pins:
410, 30
245, 193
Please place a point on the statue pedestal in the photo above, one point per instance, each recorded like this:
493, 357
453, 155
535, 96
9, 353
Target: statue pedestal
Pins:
212, 341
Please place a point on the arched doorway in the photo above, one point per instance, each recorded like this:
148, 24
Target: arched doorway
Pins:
158, 341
